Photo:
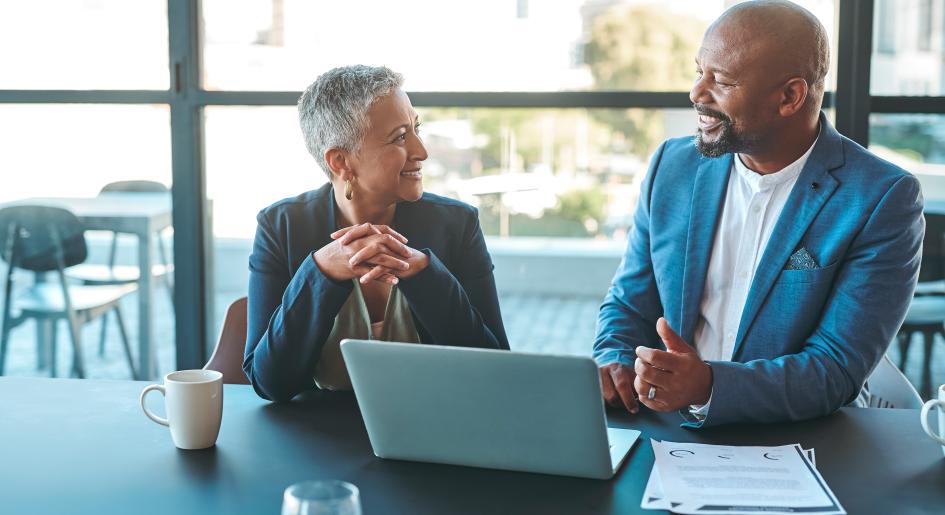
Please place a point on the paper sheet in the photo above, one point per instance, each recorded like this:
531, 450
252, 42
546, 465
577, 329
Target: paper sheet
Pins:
713, 479
654, 499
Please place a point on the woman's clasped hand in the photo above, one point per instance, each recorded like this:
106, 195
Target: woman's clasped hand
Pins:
369, 252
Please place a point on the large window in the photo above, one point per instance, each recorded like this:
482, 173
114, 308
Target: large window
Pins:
64, 155
487, 45
76, 149
906, 125
542, 114
545, 179
909, 62
67, 44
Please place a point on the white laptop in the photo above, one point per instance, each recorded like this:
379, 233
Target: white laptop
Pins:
485, 408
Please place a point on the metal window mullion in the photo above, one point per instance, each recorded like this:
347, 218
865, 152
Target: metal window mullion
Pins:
26, 96
555, 99
193, 296
907, 104
486, 99
489, 99
854, 52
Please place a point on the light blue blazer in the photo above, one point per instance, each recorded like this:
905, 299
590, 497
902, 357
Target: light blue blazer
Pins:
808, 338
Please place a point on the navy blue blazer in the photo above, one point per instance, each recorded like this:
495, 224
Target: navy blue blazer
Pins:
292, 304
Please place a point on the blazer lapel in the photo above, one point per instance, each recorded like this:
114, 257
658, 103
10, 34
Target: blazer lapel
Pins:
708, 197
802, 206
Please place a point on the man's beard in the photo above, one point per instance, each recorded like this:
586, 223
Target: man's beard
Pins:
728, 141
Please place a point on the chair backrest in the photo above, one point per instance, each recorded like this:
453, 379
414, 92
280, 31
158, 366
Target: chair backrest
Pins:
134, 187
227, 357
933, 249
889, 388
39, 238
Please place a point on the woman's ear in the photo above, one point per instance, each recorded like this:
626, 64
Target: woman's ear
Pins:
339, 162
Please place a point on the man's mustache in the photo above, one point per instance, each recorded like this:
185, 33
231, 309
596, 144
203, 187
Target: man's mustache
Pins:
703, 110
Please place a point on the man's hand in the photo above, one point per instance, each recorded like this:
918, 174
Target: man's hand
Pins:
677, 377
616, 381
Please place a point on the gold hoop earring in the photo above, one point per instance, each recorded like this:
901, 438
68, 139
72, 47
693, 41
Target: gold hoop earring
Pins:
348, 193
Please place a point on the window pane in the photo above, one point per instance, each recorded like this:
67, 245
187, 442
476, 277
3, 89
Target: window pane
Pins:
66, 154
490, 45
529, 157
100, 44
908, 48
915, 142
255, 156
555, 189
546, 173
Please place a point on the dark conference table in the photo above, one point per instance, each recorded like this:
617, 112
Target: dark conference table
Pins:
83, 446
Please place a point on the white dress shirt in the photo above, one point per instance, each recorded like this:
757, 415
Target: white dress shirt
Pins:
752, 207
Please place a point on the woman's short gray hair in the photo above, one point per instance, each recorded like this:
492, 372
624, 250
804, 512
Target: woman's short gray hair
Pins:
333, 109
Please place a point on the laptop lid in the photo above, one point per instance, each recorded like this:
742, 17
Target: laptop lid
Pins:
483, 408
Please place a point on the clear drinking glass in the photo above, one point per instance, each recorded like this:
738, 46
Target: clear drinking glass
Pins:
330, 497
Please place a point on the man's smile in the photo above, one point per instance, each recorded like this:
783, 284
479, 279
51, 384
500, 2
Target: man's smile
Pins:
709, 123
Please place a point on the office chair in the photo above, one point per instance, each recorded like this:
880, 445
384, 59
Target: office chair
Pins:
44, 239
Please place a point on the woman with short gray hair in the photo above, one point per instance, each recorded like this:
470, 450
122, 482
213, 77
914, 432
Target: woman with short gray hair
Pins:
369, 255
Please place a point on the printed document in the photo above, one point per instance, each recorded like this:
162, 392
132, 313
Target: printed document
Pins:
715, 479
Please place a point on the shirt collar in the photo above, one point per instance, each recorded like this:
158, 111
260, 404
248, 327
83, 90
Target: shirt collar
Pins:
759, 182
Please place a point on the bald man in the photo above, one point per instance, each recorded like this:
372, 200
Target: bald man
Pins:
772, 260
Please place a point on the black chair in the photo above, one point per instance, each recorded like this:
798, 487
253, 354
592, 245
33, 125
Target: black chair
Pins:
926, 315
44, 239
110, 273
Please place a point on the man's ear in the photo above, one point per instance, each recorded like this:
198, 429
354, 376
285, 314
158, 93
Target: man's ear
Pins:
793, 96
339, 163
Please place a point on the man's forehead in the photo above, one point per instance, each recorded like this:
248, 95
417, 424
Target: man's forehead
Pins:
732, 49
718, 58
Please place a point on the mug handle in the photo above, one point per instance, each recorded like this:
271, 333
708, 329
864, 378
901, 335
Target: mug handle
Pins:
925, 418
160, 388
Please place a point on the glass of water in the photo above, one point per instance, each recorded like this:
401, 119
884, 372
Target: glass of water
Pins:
329, 497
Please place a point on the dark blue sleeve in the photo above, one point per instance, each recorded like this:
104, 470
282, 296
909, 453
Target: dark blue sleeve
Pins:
289, 317
460, 306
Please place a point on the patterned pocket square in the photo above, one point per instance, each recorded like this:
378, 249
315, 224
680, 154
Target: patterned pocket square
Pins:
802, 260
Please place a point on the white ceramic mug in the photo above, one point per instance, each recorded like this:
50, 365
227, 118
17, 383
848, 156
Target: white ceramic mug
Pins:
194, 405
928, 406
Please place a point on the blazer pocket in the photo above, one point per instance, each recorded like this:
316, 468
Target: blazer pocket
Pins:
815, 275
